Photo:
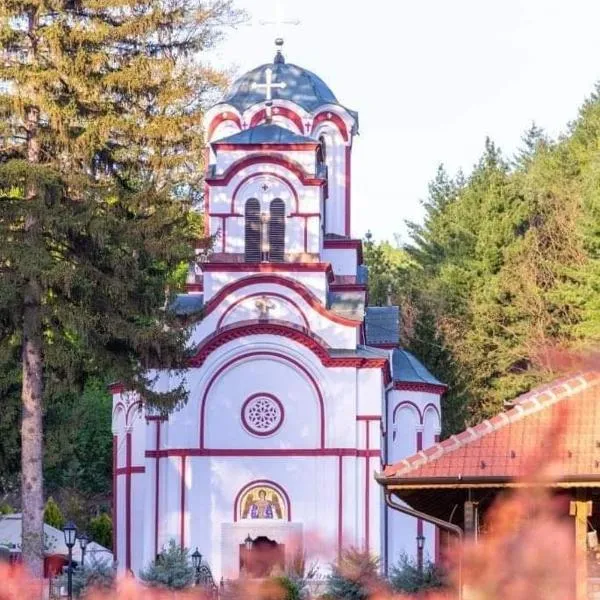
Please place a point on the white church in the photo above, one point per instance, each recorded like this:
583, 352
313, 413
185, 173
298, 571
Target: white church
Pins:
298, 390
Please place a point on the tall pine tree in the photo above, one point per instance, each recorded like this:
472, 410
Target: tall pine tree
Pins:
100, 157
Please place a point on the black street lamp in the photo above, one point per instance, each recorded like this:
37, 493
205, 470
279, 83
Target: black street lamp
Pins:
196, 562
248, 542
83, 542
70, 532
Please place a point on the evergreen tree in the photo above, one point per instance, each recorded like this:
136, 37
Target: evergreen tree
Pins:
100, 144
172, 569
354, 577
101, 530
53, 515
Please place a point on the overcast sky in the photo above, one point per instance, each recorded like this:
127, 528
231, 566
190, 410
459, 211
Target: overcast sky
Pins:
430, 80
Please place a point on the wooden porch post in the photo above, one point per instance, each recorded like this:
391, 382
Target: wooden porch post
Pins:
581, 510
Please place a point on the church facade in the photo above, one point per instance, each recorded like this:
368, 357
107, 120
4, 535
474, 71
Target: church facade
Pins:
298, 391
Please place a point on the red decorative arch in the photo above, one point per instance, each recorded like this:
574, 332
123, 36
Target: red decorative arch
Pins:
435, 409
263, 173
266, 159
407, 403
261, 294
221, 118
301, 290
261, 116
258, 483
325, 116
263, 354
136, 403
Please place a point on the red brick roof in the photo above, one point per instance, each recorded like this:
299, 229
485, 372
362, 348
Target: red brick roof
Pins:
504, 446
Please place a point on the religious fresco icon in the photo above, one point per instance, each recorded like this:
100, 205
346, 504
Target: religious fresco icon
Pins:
262, 502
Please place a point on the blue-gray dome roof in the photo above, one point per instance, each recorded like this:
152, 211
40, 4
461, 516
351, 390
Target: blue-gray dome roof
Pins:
301, 87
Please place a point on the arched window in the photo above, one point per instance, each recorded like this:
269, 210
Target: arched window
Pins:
277, 231
252, 231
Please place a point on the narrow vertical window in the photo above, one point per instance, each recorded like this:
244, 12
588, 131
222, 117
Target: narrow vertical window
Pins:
277, 231
252, 231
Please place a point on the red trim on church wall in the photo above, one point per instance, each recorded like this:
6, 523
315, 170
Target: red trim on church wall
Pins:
367, 487
116, 388
224, 267
194, 287
128, 505
340, 504
301, 290
261, 295
264, 452
262, 159
115, 498
182, 509
308, 340
368, 417
156, 488
130, 470
282, 111
420, 387
303, 147
222, 118
348, 190
281, 178
333, 118
258, 483
274, 355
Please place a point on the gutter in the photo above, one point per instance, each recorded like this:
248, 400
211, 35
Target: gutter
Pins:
446, 525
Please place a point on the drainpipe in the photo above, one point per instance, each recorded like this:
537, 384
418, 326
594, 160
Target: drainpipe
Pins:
447, 526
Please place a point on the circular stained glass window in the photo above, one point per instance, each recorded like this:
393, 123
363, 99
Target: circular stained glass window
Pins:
262, 414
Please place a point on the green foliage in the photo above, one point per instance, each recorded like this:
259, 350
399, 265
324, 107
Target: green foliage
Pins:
53, 515
97, 574
6, 509
354, 577
171, 570
505, 264
101, 530
407, 577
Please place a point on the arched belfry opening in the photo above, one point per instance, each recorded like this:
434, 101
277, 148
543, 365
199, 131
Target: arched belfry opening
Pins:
264, 232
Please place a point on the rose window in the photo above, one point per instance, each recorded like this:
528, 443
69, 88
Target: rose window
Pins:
262, 414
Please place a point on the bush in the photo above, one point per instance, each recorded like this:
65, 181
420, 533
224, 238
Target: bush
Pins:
171, 569
101, 529
406, 576
354, 577
53, 515
6, 509
97, 574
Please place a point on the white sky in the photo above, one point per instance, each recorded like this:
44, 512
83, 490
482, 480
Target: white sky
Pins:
430, 79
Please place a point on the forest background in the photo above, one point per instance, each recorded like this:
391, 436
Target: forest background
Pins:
504, 266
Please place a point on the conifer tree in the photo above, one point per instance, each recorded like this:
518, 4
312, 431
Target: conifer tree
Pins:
100, 156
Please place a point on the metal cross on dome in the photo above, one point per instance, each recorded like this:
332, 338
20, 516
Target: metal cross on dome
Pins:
280, 18
268, 88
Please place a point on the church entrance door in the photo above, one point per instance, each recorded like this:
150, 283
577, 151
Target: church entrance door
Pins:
264, 557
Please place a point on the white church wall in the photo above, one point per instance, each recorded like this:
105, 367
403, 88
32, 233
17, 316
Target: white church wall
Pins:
343, 261
316, 282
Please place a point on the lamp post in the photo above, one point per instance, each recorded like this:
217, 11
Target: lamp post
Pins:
83, 542
196, 562
70, 533
248, 542
420, 547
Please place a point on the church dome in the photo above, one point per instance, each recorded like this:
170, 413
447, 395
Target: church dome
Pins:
302, 87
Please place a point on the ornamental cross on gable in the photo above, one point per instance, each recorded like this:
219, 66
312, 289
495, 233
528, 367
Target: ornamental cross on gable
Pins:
268, 88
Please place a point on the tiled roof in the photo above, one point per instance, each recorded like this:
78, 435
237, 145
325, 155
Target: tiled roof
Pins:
382, 325
265, 134
407, 369
504, 445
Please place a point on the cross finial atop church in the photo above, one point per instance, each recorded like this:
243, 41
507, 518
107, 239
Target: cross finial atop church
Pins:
280, 19
268, 88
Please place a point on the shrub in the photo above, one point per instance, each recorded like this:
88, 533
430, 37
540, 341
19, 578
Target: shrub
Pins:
171, 569
101, 530
6, 509
407, 577
97, 574
53, 515
354, 577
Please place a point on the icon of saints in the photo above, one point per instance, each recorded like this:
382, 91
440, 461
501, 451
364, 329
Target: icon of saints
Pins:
261, 507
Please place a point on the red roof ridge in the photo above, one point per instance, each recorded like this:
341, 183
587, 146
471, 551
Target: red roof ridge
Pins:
526, 404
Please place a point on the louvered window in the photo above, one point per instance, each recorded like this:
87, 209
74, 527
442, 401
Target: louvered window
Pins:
277, 231
252, 231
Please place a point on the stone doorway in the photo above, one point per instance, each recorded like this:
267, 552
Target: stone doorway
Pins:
262, 558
